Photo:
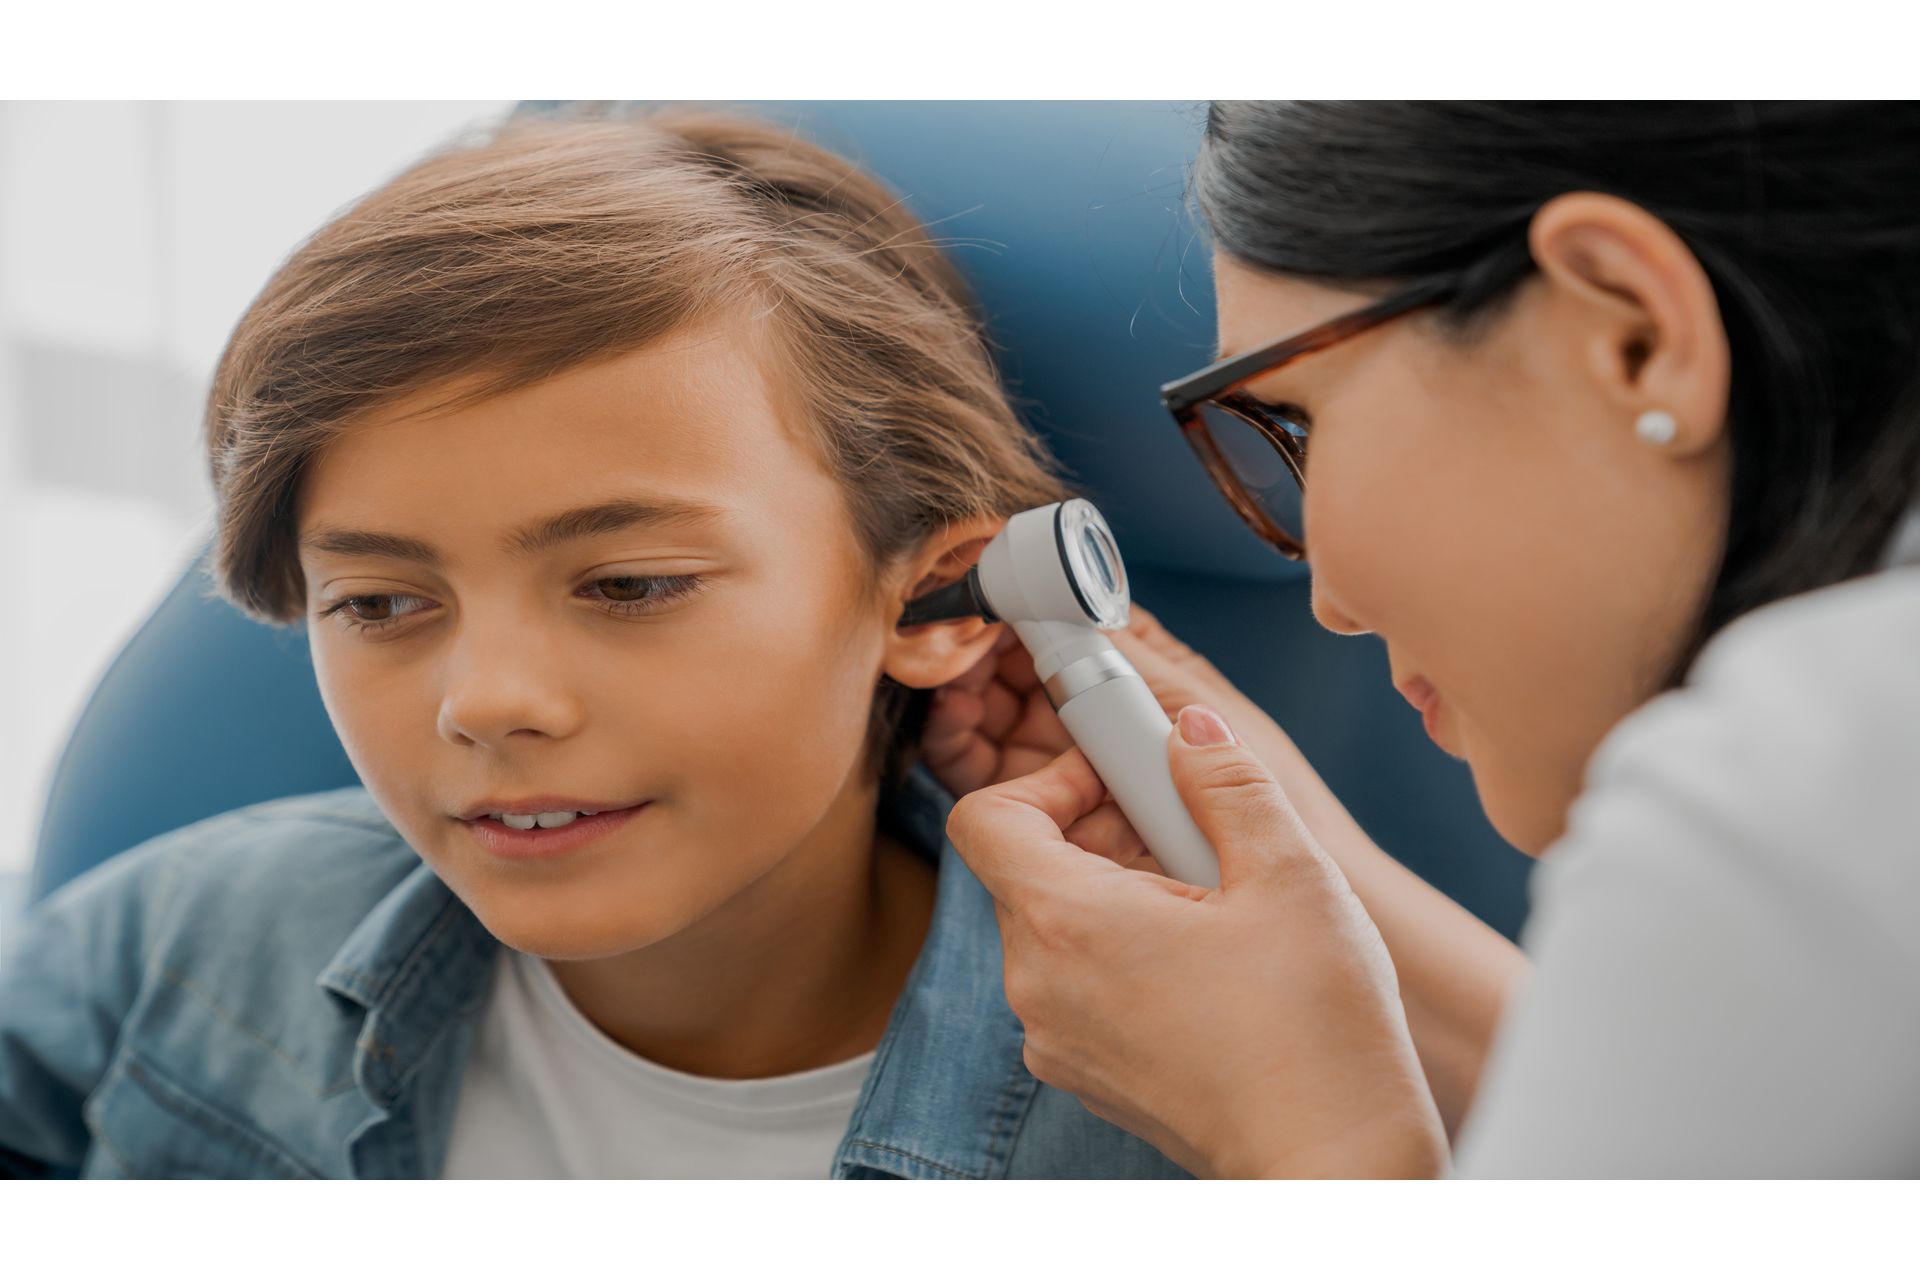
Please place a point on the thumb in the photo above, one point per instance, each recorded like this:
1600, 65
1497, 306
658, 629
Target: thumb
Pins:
1236, 801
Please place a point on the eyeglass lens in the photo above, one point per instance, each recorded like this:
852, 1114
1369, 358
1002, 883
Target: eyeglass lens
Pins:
1257, 464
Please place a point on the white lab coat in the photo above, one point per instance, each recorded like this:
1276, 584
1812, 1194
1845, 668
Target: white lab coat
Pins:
1726, 941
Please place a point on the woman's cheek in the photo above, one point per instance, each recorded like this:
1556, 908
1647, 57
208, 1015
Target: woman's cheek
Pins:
1354, 544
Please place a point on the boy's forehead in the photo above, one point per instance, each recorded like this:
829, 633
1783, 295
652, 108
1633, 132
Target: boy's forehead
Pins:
693, 409
693, 417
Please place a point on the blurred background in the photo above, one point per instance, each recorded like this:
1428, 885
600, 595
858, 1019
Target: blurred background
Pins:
132, 236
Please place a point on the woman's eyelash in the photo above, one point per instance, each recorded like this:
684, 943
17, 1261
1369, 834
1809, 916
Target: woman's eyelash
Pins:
624, 595
1286, 409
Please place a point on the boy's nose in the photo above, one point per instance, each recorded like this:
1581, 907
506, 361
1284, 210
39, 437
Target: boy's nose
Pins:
505, 683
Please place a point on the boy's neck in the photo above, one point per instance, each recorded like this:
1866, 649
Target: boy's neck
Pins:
800, 970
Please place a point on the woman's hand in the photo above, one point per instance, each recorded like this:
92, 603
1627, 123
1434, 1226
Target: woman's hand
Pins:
994, 725
994, 722
1254, 1029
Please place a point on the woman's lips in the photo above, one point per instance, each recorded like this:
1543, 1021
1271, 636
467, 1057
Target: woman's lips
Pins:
547, 842
1426, 700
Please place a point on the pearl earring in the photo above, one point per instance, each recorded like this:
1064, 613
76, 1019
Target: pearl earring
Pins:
1657, 427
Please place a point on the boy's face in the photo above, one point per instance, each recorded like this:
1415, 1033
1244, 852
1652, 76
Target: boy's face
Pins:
693, 651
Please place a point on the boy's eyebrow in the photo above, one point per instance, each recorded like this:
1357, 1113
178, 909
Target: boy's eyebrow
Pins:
580, 522
609, 517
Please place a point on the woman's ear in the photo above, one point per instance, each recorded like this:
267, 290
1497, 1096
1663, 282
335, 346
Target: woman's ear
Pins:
927, 656
1641, 310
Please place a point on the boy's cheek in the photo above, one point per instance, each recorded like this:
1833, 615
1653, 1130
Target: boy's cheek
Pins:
742, 746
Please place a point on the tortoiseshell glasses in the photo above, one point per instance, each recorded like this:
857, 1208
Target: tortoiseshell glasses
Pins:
1254, 452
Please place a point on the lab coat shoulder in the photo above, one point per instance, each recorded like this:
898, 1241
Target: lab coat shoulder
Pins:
1796, 745
1726, 978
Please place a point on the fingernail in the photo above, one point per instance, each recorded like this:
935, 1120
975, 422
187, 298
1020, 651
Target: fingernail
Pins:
1203, 728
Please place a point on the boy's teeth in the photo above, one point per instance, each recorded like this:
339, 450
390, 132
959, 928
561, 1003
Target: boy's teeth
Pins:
545, 821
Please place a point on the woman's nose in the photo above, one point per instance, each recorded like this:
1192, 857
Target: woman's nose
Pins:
506, 681
1332, 616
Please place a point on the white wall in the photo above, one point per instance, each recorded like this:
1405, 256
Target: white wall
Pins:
132, 235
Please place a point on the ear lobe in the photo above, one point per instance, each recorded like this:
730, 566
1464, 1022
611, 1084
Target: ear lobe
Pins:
927, 656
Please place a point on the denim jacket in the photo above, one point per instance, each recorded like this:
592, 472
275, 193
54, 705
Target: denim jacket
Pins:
288, 991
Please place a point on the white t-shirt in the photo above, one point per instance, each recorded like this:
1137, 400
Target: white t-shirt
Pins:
547, 1094
1726, 942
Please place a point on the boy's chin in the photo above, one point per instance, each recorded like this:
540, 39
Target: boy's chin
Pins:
591, 932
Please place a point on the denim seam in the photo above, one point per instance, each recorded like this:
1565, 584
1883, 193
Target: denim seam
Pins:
464, 1009
403, 978
911, 1158
164, 894
403, 969
319, 1091
401, 1137
881, 1057
159, 1088
1010, 1118
348, 971
114, 1153
351, 983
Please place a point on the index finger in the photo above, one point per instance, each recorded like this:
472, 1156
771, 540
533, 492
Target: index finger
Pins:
1011, 834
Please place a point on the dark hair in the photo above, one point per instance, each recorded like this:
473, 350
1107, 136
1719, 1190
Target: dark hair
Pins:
1805, 217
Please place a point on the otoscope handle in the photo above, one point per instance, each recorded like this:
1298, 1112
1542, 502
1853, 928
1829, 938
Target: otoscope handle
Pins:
1118, 723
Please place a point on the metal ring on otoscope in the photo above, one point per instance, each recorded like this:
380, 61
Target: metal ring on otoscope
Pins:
1074, 679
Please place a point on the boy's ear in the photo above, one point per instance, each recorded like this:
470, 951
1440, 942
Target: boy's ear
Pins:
927, 656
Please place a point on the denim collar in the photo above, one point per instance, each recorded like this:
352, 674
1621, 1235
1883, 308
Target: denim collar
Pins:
948, 1088
419, 963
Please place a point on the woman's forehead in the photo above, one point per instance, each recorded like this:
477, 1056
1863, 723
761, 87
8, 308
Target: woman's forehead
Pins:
1257, 307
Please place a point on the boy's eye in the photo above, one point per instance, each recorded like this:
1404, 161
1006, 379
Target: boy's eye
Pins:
627, 589
371, 612
635, 594
627, 594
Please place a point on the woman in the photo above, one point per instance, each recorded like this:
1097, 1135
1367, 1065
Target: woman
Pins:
1612, 415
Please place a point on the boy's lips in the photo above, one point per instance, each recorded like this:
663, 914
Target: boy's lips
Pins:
543, 804
547, 842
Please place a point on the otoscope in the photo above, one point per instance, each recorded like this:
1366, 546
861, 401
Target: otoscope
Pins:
1055, 576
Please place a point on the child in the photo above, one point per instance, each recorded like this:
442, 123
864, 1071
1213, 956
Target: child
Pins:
599, 459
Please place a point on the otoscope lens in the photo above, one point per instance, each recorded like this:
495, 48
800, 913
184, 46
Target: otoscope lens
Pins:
1095, 570
1101, 552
